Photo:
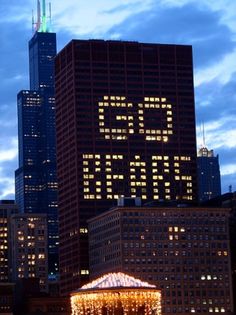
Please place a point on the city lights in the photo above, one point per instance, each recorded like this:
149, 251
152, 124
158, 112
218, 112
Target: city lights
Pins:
143, 173
118, 120
111, 103
116, 293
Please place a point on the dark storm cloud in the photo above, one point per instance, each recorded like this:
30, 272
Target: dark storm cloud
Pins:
183, 25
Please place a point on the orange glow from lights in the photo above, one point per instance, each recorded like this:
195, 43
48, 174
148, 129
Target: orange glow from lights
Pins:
116, 293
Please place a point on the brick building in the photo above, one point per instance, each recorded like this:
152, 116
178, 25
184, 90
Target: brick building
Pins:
185, 251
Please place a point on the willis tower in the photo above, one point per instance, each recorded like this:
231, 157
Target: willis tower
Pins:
36, 179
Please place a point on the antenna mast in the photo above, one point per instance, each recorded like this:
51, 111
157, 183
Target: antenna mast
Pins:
44, 18
50, 16
43, 22
203, 135
33, 21
38, 24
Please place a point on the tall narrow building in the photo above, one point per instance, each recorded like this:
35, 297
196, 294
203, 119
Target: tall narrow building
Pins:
36, 179
125, 127
208, 174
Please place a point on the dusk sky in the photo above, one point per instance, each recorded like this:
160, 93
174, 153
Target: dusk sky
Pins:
208, 25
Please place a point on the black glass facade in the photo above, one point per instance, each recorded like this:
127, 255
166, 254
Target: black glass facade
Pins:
42, 50
36, 180
208, 174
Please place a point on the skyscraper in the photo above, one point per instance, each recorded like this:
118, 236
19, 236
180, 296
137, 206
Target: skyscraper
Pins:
36, 180
125, 126
208, 174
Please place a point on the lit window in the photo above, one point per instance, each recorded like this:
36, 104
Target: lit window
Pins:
41, 256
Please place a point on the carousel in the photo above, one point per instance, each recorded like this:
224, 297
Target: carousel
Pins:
116, 294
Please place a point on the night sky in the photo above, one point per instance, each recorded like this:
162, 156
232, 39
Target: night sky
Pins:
208, 25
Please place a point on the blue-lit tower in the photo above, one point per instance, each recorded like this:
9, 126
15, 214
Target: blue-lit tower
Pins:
209, 184
36, 179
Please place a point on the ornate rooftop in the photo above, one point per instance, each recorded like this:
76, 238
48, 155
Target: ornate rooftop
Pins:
119, 279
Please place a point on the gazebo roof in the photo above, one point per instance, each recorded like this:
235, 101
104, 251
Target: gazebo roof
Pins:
119, 279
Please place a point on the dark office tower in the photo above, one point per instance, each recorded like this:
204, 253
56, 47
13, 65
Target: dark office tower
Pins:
42, 50
36, 180
125, 127
208, 168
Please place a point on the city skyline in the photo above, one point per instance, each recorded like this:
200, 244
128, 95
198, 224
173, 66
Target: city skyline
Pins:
208, 27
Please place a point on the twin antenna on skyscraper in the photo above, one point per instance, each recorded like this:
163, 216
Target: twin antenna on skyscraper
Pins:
202, 129
43, 22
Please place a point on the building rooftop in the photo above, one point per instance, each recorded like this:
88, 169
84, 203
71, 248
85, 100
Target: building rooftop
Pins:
119, 279
7, 202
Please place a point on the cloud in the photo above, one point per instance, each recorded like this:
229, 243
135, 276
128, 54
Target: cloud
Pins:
224, 138
215, 100
219, 133
16, 77
79, 18
208, 25
226, 182
16, 12
7, 188
228, 169
187, 24
9, 153
222, 71
215, 107
15, 33
8, 163
129, 7
8, 122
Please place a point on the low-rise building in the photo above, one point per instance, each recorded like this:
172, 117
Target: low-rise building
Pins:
185, 251
29, 247
6, 298
7, 208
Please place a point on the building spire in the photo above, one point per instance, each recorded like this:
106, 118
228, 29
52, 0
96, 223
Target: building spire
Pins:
42, 20
38, 23
50, 13
203, 134
203, 151
33, 21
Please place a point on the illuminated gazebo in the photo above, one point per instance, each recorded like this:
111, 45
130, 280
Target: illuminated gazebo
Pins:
116, 294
